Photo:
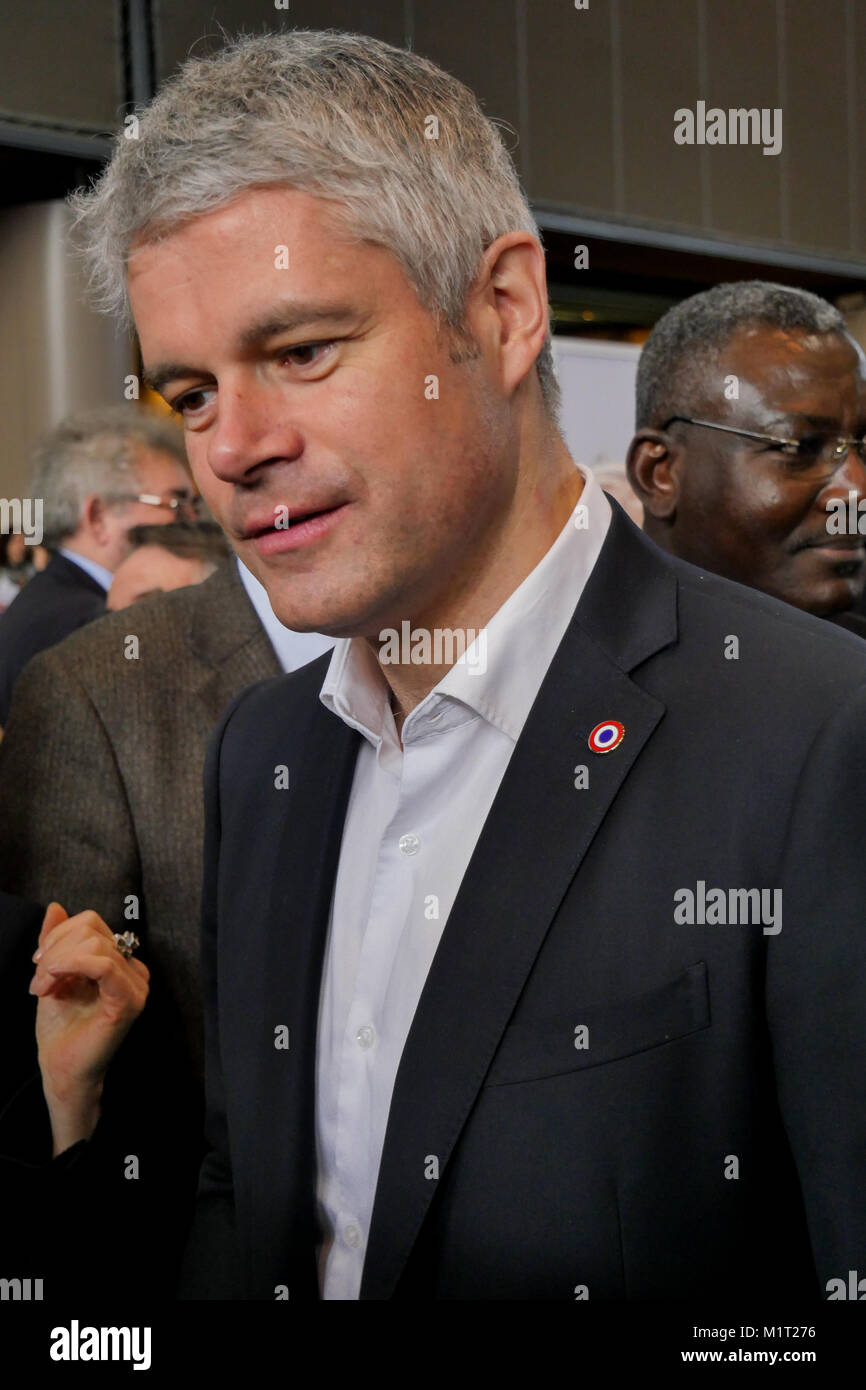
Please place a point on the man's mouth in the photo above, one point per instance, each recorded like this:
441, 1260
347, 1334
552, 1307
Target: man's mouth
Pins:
282, 518
287, 528
847, 554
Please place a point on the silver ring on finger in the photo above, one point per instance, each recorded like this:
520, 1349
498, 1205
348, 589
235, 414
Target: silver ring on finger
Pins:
126, 942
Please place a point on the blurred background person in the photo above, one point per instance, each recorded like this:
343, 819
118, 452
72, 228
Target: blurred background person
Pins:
19, 561
98, 474
751, 415
10, 579
164, 558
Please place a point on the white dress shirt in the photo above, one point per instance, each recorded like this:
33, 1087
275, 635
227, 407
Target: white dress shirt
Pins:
414, 816
102, 576
293, 649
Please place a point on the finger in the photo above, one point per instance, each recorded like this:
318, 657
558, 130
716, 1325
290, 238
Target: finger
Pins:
64, 955
115, 977
62, 958
62, 984
81, 926
140, 969
55, 914
59, 932
68, 941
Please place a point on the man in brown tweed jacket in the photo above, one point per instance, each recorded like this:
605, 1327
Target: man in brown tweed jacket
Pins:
101, 766
101, 807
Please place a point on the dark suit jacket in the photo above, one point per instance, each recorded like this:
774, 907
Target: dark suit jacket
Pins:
852, 621
710, 1139
55, 602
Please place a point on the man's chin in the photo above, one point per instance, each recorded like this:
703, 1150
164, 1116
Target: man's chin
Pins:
299, 622
312, 619
824, 601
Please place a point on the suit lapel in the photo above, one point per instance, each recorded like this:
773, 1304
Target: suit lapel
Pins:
293, 944
228, 640
535, 837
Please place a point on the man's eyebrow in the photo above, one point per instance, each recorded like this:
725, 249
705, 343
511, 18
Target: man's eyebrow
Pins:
799, 417
157, 376
820, 422
281, 320
295, 316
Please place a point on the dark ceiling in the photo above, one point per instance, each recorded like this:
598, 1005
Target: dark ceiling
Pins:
34, 176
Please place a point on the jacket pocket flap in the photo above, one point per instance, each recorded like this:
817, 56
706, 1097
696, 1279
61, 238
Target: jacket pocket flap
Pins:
603, 1032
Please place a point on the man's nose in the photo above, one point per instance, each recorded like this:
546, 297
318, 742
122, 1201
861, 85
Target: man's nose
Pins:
248, 432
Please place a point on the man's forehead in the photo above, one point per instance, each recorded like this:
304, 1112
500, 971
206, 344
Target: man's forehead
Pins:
272, 242
789, 369
157, 460
764, 349
251, 212
246, 270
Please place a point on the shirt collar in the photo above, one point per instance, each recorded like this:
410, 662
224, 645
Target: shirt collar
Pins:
102, 576
522, 637
500, 674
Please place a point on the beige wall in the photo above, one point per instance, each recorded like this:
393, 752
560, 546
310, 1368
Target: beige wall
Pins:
58, 355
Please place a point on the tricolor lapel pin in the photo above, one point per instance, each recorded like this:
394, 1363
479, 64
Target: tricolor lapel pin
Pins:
607, 735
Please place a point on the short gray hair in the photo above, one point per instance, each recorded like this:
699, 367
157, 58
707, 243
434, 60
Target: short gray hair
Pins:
340, 116
91, 452
689, 339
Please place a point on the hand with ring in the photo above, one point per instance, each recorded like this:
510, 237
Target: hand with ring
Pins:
91, 989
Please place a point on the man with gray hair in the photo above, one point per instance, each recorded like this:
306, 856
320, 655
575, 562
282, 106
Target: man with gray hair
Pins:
98, 474
749, 457
461, 1042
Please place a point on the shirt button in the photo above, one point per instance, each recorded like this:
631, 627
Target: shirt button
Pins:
352, 1236
366, 1036
409, 844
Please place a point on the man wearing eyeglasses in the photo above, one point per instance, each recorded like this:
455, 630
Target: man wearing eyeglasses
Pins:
97, 475
749, 451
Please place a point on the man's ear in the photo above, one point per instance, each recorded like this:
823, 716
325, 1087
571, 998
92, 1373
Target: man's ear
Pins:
93, 516
507, 304
651, 464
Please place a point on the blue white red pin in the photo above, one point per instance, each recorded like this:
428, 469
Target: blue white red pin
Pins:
606, 736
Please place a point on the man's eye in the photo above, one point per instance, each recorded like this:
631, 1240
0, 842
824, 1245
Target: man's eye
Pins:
809, 447
305, 352
304, 355
800, 451
189, 403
